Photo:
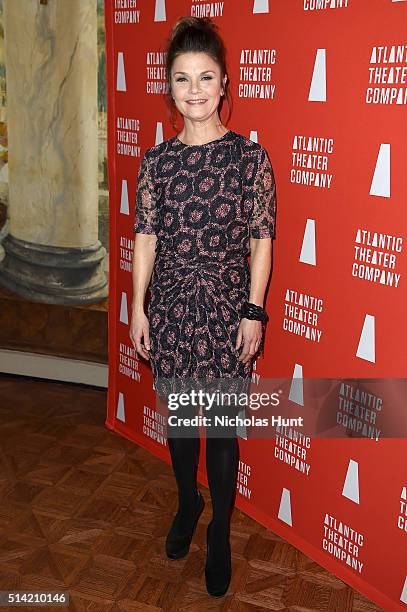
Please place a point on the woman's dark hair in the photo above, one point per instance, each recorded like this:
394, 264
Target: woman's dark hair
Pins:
199, 35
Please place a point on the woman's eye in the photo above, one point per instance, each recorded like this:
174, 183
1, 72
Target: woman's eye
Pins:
183, 78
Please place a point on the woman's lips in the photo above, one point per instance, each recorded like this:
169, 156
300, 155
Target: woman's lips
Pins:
196, 102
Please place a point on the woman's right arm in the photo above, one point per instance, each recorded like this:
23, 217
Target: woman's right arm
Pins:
145, 238
143, 262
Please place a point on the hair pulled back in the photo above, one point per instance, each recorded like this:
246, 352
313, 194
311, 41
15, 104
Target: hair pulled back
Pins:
195, 35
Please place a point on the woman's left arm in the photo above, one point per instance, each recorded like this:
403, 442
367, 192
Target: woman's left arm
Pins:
260, 266
262, 232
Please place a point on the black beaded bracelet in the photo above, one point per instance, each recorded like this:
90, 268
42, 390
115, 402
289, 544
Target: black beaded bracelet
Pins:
254, 312
257, 313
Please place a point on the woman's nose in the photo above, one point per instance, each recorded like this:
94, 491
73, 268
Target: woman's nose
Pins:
194, 87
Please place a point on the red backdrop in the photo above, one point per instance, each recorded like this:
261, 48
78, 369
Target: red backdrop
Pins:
321, 84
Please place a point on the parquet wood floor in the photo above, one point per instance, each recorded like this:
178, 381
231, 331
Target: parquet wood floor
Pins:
85, 510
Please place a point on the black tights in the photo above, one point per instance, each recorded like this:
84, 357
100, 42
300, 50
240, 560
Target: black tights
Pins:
222, 461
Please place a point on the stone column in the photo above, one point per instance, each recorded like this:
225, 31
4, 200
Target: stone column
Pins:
52, 253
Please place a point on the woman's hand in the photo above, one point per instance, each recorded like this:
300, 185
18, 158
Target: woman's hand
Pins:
250, 332
139, 328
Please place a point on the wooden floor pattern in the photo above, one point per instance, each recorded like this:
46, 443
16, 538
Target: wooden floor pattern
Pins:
85, 510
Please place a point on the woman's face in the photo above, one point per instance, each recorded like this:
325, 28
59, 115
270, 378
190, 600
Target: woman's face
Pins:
196, 77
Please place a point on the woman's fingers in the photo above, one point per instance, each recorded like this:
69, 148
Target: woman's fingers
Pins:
251, 335
140, 349
249, 349
137, 332
147, 339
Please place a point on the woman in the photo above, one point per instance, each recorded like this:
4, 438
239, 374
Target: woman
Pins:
205, 199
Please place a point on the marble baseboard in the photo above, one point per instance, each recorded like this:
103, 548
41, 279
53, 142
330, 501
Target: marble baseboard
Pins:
35, 365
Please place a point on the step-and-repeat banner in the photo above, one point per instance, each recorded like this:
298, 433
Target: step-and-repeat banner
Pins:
322, 85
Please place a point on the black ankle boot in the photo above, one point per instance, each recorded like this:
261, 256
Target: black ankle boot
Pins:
176, 545
218, 569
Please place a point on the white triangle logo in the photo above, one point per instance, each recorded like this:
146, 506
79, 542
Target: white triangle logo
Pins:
124, 199
296, 394
261, 6
317, 91
159, 134
403, 596
120, 408
366, 347
121, 75
253, 136
381, 178
160, 14
124, 317
351, 486
308, 250
284, 511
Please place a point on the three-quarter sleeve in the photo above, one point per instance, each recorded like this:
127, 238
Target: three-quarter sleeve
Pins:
263, 215
145, 221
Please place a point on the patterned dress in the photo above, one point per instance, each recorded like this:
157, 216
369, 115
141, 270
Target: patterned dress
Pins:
203, 202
